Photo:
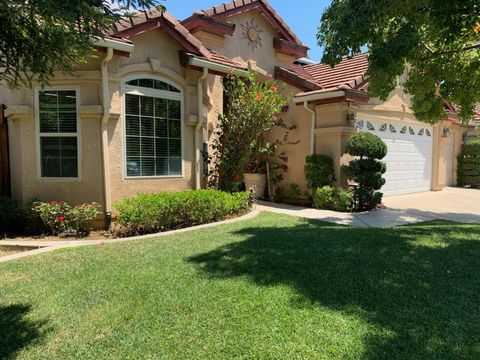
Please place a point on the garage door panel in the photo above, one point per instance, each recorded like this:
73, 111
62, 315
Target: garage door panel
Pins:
409, 158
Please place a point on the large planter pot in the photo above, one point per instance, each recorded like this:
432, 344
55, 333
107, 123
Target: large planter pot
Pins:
258, 182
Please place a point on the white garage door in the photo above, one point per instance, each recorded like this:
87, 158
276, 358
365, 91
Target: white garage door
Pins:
409, 159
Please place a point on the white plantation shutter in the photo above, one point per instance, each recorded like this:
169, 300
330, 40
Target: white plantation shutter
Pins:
153, 129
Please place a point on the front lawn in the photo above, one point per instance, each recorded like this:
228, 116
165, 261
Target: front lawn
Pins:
275, 287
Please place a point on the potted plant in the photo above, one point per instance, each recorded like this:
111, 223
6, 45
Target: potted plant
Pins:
255, 177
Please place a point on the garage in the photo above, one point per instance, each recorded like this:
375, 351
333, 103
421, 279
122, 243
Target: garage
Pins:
409, 159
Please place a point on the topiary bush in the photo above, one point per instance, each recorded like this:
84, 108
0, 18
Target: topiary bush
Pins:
366, 171
330, 198
150, 213
468, 173
319, 171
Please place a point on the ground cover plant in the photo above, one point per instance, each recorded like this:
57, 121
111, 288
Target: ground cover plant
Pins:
273, 287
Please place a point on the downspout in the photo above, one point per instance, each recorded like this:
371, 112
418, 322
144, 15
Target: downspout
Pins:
312, 132
105, 150
198, 130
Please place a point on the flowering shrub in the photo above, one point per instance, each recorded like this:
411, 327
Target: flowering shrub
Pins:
60, 218
240, 144
53, 214
81, 218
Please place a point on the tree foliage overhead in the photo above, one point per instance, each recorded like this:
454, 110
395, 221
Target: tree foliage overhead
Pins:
38, 37
437, 40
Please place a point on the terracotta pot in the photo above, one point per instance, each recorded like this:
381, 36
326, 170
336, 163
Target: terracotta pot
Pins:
258, 181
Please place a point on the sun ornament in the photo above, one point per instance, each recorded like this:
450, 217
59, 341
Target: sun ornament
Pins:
252, 33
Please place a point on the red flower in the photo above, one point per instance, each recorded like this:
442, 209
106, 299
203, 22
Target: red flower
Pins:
259, 96
230, 70
60, 218
274, 88
250, 168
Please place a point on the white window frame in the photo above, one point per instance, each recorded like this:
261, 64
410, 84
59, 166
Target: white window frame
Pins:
39, 134
161, 94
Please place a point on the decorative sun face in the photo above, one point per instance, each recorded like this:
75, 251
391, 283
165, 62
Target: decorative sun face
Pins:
252, 33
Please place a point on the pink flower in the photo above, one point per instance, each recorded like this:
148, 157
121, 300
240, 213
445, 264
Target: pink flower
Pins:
230, 71
274, 88
259, 96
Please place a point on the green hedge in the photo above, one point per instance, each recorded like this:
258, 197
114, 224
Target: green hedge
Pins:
319, 171
469, 164
330, 198
150, 213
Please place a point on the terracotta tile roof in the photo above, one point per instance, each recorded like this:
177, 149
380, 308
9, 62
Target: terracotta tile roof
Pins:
240, 6
349, 74
223, 60
145, 21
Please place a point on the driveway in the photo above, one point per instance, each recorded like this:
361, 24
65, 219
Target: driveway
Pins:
461, 205
456, 204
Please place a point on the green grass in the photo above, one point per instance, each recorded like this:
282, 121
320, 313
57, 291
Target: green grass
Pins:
275, 287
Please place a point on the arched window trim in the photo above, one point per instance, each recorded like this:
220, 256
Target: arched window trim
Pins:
163, 94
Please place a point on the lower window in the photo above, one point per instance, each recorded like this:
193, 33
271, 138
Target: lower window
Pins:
59, 157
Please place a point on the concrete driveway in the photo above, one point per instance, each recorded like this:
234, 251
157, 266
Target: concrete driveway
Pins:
460, 205
456, 204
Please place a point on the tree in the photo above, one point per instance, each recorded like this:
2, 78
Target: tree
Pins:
38, 37
437, 41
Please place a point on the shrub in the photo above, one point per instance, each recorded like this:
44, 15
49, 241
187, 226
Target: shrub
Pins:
11, 216
468, 172
366, 171
330, 198
319, 171
149, 213
61, 218
294, 193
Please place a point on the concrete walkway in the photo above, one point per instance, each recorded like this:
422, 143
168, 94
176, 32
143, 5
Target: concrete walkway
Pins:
455, 204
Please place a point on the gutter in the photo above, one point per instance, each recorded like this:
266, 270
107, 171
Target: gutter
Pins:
312, 96
104, 127
205, 64
111, 45
199, 128
312, 130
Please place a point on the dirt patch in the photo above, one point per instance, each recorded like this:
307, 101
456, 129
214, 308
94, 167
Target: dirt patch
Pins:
10, 250
94, 235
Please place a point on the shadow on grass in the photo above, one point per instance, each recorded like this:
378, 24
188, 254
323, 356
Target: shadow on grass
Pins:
17, 331
418, 284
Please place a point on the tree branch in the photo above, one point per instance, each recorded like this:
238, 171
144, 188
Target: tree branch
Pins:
449, 52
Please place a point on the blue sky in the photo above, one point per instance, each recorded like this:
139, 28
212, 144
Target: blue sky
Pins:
303, 16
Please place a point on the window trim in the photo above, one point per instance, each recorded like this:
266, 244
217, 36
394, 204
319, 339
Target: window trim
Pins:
162, 94
77, 135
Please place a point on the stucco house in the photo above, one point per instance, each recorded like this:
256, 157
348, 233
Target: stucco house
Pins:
137, 117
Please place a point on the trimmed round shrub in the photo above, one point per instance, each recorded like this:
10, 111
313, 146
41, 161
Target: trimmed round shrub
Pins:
365, 144
366, 171
319, 171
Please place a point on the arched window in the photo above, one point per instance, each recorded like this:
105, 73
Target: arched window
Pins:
360, 124
403, 130
421, 132
153, 128
383, 127
411, 131
393, 129
370, 126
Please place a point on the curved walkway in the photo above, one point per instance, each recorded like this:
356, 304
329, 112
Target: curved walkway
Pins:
48, 246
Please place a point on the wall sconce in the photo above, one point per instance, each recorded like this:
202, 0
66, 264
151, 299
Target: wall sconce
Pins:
446, 132
351, 118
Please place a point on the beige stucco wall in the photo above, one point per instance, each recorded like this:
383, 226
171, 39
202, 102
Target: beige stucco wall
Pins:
155, 54
239, 49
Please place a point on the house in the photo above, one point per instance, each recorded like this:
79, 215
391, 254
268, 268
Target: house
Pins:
137, 117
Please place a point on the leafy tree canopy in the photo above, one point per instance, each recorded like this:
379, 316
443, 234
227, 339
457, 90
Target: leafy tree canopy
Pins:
438, 41
38, 37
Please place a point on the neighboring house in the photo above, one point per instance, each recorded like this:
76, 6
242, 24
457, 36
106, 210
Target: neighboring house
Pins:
137, 117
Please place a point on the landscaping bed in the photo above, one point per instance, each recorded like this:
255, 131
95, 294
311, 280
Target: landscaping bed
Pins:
272, 287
